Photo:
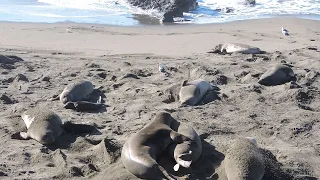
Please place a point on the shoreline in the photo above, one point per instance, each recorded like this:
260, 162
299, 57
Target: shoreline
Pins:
123, 63
193, 39
146, 20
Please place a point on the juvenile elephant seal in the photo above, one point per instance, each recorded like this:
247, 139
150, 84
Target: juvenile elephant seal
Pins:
244, 161
278, 74
142, 149
236, 48
43, 125
185, 153
74, 95
191, 93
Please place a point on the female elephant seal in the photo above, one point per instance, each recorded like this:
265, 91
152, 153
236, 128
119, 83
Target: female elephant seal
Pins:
236, 48
141, 150
191, 93
74, 95
185, 153
76, 92
244, 161
278, 74
43, 125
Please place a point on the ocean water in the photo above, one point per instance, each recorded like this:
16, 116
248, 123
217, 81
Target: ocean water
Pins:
118, 12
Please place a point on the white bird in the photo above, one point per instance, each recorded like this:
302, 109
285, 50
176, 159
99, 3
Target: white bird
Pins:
68, 30
284, 31
161, 68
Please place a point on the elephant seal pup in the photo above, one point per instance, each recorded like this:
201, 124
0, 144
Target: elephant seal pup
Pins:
43, 125
185, 153
244, 161
236, 48
74, 95
278, 74
141, 150
191, 93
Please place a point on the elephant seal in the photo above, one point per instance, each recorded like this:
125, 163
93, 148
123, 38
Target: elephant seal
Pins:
142, 149
278, 74
244, 161
185, 153
191, 93
43, 125
236, 48
74, 95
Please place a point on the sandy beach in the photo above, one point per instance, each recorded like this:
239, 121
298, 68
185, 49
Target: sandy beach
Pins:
284, 119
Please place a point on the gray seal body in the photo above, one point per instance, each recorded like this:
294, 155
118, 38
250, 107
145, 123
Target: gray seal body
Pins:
278, 74
43, 125
185, 153
236, 48
78, 91
244, 161
191, 93
74, 96
141, 150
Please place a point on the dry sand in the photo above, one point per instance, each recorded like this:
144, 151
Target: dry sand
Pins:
284, 119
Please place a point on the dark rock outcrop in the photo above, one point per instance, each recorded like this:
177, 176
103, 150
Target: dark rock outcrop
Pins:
250, 2
170, 8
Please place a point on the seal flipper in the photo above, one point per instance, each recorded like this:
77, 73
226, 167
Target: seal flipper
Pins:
20, 136
69, 105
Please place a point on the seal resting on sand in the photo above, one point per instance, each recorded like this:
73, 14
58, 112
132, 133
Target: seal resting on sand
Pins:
236, 48
244, 161
142, 149
74, 95
185, 153
278, 74
43, 125
191, 93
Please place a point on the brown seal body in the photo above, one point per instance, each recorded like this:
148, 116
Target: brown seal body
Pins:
185, 153
142, 149
244, 161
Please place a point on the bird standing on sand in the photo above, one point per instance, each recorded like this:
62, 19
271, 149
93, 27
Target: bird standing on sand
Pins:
68, 30
285, 32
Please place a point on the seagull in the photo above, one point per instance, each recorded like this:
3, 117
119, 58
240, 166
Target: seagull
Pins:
285, 32
68, 30
161, 68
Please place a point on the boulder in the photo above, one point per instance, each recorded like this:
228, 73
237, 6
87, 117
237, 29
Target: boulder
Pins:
250, 2
170, 8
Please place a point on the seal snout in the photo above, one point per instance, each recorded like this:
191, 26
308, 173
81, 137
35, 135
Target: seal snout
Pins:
185, 159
